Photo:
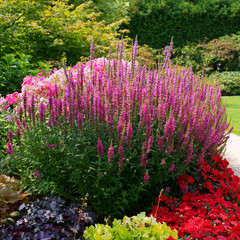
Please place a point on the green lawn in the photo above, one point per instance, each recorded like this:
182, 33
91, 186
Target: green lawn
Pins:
233, 112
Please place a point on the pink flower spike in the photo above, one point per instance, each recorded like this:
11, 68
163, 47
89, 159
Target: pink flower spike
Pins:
110, 153
9, 118
51, 146
10, 136
9, 148
100, 148
171, 168
37, 175
146, 177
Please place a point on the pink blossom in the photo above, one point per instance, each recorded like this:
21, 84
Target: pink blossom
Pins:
146, 177
100, 148
167, 189
51, 146
37, 175
10, 136
121, 159
9, 118
110, 153
171, 168
9, 148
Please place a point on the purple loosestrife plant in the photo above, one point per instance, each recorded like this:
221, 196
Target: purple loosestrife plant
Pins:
160, 122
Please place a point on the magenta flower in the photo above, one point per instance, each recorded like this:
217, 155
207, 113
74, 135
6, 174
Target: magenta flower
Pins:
167, 189
10, 136
51, 146
169, 127
146, 177
18, 131
144, 160
37, 175
121, 159
9, 118
129, 133
9, 148
100, 148
163, 162
110, 153
171, 168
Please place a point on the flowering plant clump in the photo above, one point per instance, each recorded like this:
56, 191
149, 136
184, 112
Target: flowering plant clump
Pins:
210, 204
115, 130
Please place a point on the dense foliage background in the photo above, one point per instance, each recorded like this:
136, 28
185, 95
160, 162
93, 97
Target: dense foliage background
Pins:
188, 21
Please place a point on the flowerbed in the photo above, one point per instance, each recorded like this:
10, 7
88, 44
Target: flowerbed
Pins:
114, 130
210, 206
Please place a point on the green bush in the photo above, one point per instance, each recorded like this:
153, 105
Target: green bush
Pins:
222, 54
229, 82
46, 29
156, 22
14, 67
188, 56
137, 227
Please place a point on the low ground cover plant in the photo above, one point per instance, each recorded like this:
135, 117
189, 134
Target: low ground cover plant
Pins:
113, 129
209, 206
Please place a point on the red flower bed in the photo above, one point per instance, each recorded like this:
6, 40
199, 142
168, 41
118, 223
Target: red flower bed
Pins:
209, 207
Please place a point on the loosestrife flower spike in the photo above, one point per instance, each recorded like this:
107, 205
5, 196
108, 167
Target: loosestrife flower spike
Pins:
9, 148
100, 148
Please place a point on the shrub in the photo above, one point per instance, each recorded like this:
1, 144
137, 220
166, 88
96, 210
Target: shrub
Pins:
115, 130
14, 67
229, 82
189, 56
222, 54
136, 227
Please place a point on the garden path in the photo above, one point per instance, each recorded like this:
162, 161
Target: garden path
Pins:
232, 153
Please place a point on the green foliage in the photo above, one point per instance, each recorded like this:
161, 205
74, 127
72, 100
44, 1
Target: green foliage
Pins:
72, 168
46, 29
111, 11
222, 54
136, 227
14, 67
229, 82
155, 22
188, 56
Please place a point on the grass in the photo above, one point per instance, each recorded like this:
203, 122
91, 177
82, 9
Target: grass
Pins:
233, 112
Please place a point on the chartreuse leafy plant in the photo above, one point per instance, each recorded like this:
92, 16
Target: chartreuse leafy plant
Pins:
137, 227
113, 129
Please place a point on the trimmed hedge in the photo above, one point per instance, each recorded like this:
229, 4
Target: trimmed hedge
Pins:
155, 22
